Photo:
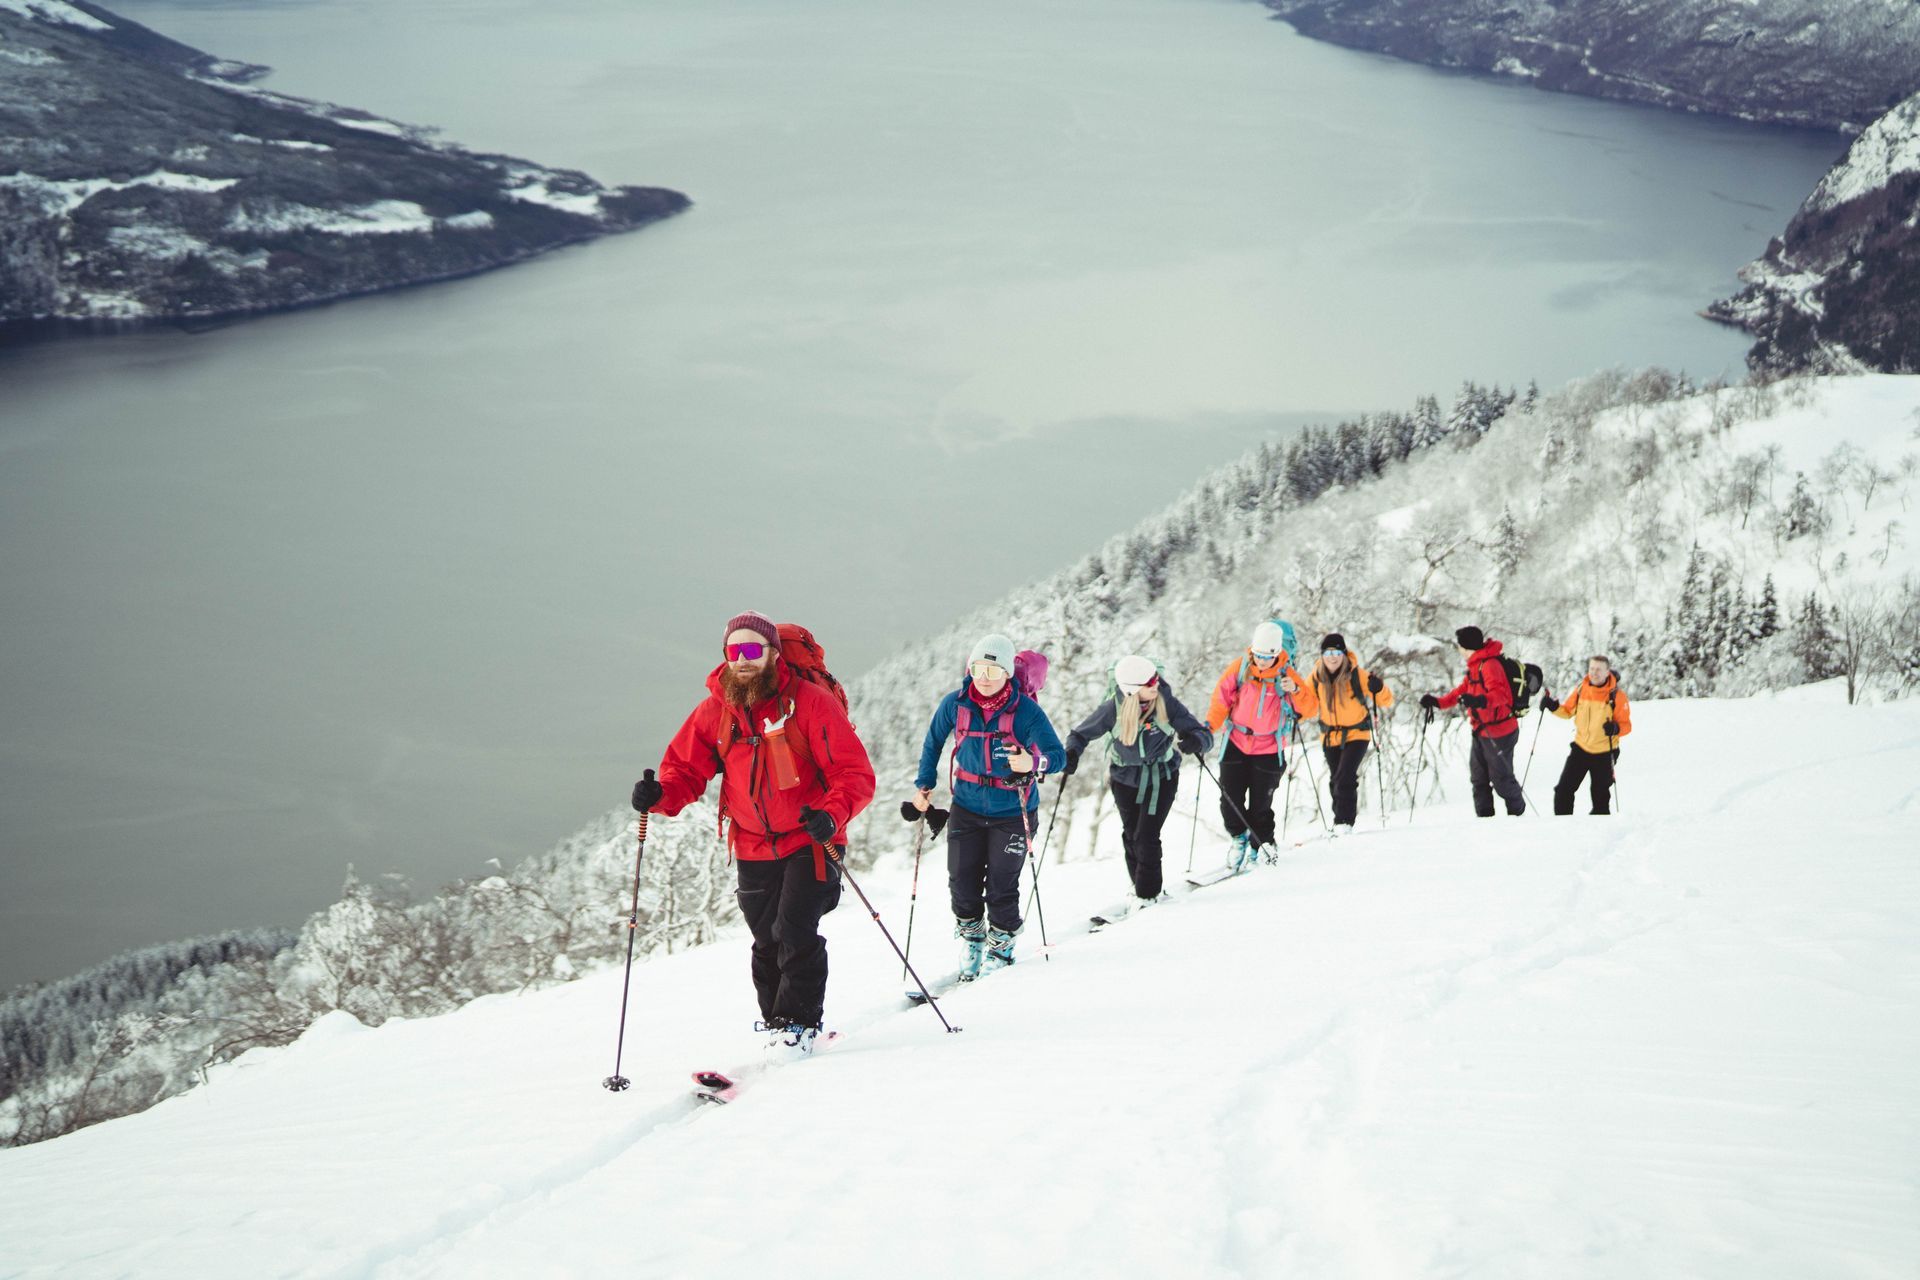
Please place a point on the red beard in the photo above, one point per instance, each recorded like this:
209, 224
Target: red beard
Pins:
748, 690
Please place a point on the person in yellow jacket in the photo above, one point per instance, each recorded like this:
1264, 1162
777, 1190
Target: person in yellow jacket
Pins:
1256, 700
1601, 717
1347, 694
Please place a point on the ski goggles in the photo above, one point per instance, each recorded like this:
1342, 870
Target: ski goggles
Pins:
1333, 653
751, 651
1264, 658
984, 670
1151, 682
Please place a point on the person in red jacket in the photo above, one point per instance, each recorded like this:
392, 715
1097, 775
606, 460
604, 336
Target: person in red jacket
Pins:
793, 774
1487, 695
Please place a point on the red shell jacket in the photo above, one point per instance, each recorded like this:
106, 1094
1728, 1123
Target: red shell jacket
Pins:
764, 821
1487, 676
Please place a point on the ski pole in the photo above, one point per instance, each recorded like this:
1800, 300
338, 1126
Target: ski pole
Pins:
1238, 811
913, 899
1194, 834
1034, 897
1039, 907
616, 1082
1306, 754
1379, 763
1286, 799
1419, 762
867, 902
1526, 773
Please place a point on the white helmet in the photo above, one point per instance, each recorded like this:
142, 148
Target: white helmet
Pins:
1133, 672
1269, 638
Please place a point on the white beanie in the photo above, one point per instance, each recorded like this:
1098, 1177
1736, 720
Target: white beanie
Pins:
1269, 638
996, 649
1132, 671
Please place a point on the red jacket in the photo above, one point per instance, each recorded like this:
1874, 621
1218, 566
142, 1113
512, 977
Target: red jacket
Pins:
1487, 676
835, 775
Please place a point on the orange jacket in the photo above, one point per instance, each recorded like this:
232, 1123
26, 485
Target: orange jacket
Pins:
1254, 704
1344, 712
1590, 707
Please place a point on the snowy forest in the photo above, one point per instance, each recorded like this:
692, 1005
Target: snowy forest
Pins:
1714, 540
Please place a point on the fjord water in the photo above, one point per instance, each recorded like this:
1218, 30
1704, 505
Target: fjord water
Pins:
420, 580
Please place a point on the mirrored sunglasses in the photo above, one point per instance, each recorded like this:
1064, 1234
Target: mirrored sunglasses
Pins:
985, 670
1264, 657
1333, 653
751, 651
1151, 682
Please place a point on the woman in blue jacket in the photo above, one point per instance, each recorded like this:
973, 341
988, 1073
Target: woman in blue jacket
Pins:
1003, 744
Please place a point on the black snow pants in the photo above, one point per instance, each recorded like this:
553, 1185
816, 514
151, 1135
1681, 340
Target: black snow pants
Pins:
783, 903
1492, 770
1343, 778
984, 859
1140, 831
1249, 783
1580, 765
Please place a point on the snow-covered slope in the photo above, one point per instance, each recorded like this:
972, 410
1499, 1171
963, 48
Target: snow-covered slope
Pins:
1840, 287
139, 181
1676, 1042
1828, 63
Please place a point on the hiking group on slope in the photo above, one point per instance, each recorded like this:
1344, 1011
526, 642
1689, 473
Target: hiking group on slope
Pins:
774, 728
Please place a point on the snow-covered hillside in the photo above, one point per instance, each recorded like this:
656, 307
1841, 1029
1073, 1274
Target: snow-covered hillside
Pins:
1678, 1042
1840, 287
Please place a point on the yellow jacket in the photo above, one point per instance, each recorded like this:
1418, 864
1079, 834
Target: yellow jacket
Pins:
1344, 714
1589, 708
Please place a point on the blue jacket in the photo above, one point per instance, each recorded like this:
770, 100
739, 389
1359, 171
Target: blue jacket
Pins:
1030, 726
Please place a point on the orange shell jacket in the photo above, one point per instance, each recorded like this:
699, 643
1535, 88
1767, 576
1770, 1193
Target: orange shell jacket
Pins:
1589, 708
1345, 716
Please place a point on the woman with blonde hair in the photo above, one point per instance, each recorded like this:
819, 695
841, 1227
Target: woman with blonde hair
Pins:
1147, 728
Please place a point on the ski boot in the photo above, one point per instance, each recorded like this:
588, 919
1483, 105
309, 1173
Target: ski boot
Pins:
999, 949
788, 1040
973, 945
1342, 829
1243, 852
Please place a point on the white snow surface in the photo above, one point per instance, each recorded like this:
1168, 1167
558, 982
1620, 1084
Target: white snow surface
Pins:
380, 217
1886, 148
62, 196
56, 11
1676, 1042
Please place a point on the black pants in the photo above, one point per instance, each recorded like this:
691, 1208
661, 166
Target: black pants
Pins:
1580, 765
1140, 831
984, 858
1343, 778
783, 904
1492, 770
1249, 783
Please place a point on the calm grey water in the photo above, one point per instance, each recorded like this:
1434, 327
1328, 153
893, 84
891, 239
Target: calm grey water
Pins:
422, 580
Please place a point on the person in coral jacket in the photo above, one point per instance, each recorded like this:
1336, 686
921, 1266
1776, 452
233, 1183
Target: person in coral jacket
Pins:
1487, 695
1348, 694
1601, 717
1251, 700
793, 774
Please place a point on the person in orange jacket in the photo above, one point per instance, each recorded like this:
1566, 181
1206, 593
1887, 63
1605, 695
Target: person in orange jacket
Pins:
1347, 694
1252, 697
1601, 717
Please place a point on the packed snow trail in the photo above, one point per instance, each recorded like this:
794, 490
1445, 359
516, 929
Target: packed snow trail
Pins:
1676, 1042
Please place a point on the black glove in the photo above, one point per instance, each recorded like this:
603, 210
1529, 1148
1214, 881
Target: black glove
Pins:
1549, 703
908, 813
1193, 743
936, 821
819, 825
1374, 683
1428, 701
647, 793
1073, 762
1478, 701
1611, 728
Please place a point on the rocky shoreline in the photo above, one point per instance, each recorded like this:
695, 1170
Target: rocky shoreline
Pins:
142, 180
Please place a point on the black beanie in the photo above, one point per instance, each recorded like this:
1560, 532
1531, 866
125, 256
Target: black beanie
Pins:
1471, 638
1333, 640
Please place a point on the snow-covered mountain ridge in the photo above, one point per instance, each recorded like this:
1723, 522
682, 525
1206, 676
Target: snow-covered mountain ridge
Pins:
140, 180
1834, 64
1672, 1043
1840, 287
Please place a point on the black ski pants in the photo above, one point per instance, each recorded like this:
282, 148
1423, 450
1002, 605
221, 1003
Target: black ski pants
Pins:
984, 859
1247, 784
1491, 769
1582, 764
1343, 778
783, 903
1140, 831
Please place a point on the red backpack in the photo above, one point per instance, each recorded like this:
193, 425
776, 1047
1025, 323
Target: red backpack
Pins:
803, 654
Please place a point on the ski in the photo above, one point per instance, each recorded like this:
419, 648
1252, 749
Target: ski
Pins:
722, 1087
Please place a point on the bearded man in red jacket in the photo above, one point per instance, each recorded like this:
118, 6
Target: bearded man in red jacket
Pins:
1487, 695
793, 774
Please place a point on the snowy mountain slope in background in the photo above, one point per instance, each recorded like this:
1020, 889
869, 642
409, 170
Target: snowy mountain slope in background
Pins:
1834, 64
1675, 1042
136, 184
1840, 288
